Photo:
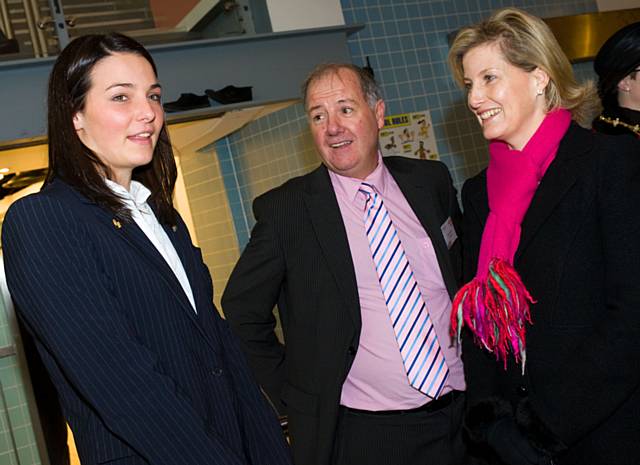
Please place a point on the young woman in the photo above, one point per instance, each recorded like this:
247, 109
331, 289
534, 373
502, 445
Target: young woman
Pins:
550, 316
117, 298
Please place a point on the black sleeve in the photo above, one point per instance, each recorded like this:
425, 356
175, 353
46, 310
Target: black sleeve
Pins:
250, 297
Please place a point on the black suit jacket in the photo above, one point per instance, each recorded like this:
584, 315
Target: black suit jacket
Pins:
299, 257
141, 377
579, 256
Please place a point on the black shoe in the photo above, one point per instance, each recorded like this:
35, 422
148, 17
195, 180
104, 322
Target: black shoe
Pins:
8, 46
230, 94
187, 102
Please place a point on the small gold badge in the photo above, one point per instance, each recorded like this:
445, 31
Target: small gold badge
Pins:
117, 224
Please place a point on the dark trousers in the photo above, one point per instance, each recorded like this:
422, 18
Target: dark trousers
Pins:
415, 437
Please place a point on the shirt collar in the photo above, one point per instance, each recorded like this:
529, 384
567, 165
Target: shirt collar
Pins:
136, 196
348, 187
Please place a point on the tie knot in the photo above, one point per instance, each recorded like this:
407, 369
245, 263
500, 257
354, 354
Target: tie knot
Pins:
367, 189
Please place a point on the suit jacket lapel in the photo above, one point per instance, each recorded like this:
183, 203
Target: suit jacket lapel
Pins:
327, 222
181, 240
421, 202
479, 200
559, 178
136, 238
183, 246
190, 262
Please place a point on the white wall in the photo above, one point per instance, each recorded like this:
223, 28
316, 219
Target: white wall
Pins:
287, 15
606, 5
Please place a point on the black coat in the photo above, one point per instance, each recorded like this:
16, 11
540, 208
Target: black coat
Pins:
142, 378
299, 257
579, 256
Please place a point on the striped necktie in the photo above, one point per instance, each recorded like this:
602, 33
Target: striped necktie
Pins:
421, 354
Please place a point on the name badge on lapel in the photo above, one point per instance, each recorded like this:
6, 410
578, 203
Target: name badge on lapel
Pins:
448, 232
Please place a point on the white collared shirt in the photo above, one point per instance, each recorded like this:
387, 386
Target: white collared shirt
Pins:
136, 201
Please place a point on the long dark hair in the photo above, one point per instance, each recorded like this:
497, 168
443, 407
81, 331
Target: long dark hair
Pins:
73, 162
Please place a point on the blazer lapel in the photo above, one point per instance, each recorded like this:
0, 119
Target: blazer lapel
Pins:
559, 178
420, 200
331, 234
134, 237
131, 234
190, 262
479, 199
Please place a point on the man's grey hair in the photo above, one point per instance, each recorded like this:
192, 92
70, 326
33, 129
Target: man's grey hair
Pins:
368, 85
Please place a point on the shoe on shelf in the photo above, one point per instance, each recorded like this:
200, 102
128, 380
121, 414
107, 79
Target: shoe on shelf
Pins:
187, 101
8, 46
230, 94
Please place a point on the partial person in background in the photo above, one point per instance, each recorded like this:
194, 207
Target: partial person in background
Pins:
617, 65
105, 278
550, 314
369, 373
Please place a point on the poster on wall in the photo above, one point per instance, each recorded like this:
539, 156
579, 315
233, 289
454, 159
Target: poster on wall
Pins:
409, 135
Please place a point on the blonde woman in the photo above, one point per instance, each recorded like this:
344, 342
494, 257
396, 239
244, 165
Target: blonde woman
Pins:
550, 316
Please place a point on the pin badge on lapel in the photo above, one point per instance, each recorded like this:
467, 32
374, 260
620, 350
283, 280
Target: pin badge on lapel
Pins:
117, 224
174, 228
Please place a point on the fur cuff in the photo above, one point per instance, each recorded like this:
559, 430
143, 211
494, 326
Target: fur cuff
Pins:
536, 431
481, 415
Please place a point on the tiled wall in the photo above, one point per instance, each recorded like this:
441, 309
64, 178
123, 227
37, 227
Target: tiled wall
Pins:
261, 156
406, 42
17, 439
211, 215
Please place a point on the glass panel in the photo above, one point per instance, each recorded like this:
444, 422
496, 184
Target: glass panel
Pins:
37, 28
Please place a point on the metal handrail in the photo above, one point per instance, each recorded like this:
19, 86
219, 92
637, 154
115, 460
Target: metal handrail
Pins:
31, 24
5, 21
35, 8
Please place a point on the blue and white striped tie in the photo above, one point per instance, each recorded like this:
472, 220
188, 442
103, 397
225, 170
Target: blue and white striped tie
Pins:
421, 354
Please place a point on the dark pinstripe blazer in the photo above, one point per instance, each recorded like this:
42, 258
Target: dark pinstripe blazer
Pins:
141, 377
299, 256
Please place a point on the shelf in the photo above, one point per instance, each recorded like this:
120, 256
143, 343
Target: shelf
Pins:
273, 64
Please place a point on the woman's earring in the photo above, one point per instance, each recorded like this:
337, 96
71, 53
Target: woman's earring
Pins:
539, 91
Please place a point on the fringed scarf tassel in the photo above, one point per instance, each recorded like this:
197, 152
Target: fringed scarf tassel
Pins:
496, 311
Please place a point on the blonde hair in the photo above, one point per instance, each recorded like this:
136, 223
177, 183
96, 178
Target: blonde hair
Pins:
527, 43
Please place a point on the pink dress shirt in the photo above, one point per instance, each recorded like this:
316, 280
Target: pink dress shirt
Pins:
377, 379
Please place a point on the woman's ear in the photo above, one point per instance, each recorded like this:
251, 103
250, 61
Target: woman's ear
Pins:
623, 85
542, 79
78, 121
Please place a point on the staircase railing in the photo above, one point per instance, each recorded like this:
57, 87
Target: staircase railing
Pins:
5, 23
41, 28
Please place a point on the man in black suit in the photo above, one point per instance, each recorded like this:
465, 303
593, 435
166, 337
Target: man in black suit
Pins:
344, 377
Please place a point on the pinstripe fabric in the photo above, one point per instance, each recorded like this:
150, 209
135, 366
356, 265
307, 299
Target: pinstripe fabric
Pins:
141, 377
421, 353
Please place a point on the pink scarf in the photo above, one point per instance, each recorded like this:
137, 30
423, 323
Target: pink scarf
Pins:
495, 304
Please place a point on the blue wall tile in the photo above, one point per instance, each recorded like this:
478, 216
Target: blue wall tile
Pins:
406, 42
